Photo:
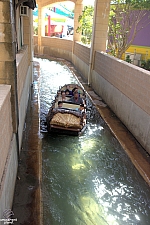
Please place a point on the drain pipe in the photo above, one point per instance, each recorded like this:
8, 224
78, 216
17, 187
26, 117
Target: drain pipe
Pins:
15, 88
92, 44
31, 46
17, 111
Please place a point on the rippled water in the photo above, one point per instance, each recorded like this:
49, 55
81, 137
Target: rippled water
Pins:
87, 180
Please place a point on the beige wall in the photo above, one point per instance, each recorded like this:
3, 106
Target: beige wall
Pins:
15, 82
131, 80
9, 178
24, 78
80, 59
22, 68
125, 88
82, 52
56, 47
8, 151
8, 147
35, 40
57, 43
28, 33
5, 125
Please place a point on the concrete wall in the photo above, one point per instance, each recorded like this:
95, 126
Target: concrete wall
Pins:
62, 48
22, 69
56, 47
125, 88
24, 79
9, 179
5, 124
81, 58
8, 148
15, 82
8, 151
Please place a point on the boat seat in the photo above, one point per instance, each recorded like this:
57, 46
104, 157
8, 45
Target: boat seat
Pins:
68, 105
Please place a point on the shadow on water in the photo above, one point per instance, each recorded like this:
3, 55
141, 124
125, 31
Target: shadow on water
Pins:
87, 179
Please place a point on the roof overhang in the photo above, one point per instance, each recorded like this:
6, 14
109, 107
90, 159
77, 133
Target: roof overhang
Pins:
30, 3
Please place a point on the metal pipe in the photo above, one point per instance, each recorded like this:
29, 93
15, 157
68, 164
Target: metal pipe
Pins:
15, 88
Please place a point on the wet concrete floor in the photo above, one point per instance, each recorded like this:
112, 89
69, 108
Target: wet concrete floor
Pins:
27, 205
27, 197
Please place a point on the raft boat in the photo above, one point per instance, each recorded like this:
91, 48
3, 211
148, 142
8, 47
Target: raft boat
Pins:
68, 119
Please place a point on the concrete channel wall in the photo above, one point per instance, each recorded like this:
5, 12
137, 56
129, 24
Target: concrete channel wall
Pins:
8, 151
125, 89
123, 86
55, 47
81, 58
8, 148
24, 80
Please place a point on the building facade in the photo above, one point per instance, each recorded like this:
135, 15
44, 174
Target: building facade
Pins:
16, 59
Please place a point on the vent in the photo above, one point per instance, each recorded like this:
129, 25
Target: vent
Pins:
24, 11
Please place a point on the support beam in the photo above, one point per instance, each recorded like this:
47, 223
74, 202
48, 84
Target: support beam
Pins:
102, 10
100, 30
41, 27
77, 12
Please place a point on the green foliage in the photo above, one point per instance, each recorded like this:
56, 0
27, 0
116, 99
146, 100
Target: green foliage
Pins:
135, 4
124, 24
124, 19
145, 64
35, 30
86, 21
128, 59
85, 40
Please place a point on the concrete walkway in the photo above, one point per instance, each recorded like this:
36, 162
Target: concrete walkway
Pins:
27, 204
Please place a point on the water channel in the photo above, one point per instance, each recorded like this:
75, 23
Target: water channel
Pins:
87, 180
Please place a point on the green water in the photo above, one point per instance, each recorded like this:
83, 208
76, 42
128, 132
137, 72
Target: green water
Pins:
87, 180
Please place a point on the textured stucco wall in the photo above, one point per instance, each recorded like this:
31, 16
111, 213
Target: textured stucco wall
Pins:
125, 88
5, 125
8, 148
82, 52
22, 68
9, 178
8, 151
56, 47
24, 80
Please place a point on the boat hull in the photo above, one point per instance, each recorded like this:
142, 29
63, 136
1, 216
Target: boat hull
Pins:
67, 120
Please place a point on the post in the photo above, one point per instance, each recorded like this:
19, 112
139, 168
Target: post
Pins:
77, 12
49, 26
41, 27
100, 29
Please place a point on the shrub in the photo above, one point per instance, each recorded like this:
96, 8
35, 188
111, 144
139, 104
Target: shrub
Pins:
145, 64
128, 59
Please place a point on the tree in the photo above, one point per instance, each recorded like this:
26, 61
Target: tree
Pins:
86, 21
126, 19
